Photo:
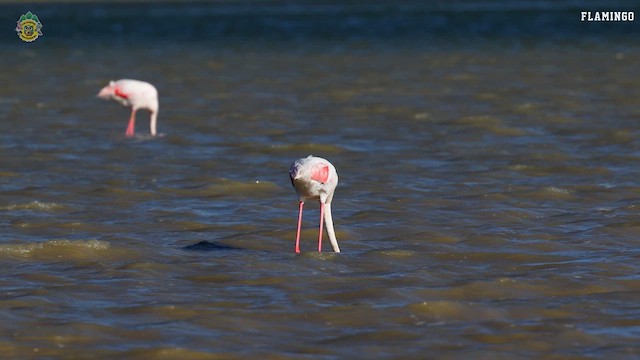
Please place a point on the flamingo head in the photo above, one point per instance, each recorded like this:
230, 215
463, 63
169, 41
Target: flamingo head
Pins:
294, 173
108, 91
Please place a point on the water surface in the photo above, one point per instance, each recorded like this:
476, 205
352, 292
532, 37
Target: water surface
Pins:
487, 207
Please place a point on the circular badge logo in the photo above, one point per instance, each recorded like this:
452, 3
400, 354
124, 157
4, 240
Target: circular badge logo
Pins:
29, 27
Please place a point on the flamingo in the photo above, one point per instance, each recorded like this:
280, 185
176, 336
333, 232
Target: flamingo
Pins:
136, 95
315, 178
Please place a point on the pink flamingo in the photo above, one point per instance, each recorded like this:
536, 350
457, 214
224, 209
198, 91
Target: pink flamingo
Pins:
136, 95
315, 178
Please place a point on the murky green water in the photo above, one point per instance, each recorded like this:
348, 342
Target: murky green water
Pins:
487, 208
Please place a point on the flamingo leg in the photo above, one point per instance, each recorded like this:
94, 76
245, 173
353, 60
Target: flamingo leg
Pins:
321, 222
131, 128
299, 227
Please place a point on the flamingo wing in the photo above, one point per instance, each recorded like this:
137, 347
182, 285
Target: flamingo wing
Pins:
321, 173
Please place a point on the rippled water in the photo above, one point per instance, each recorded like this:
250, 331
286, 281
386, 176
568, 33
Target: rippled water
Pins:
487, 207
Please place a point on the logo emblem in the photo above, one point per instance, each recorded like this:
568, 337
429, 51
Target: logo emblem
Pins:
29, 27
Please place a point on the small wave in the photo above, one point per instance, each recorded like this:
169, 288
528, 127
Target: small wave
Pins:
238, 187
491, 124
398, 253
231, 188
541, 170
34, 206
8, 174
445, 310
306, 149
67, 249
555, 189
301, 149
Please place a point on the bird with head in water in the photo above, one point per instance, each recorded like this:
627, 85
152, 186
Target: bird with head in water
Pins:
315, 178
136, 95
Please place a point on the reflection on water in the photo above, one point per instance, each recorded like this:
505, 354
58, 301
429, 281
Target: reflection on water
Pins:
487, 204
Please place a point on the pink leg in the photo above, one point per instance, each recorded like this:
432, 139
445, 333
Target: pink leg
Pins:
131, 128
321, 221
299, 227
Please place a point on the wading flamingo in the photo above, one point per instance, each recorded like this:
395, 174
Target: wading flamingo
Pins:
315, 178
136, 95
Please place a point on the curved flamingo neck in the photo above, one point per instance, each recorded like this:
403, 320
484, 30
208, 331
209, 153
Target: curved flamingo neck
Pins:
153, 122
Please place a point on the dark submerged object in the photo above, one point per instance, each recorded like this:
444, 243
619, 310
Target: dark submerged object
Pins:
209, 246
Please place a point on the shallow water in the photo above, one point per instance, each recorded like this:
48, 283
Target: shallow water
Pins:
487, 207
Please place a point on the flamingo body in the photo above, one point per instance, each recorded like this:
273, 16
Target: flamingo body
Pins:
315, 178
136, 95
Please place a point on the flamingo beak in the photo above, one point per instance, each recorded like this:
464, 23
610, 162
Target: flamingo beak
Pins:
104, 93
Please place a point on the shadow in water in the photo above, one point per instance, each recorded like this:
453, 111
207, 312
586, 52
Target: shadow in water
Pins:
209, 246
